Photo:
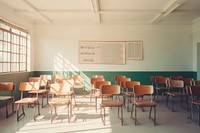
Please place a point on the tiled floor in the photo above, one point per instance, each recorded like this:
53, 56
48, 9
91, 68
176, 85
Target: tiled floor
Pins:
86, 120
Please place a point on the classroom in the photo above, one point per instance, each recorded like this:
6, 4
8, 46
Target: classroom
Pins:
67, 41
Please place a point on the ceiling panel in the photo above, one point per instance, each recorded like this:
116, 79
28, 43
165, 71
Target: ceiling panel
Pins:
61, 4
122, 11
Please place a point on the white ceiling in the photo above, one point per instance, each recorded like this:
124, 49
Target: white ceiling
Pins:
105, 11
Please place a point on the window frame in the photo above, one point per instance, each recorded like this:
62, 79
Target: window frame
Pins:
14, 45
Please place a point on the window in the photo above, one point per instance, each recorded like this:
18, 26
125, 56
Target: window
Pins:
14, 48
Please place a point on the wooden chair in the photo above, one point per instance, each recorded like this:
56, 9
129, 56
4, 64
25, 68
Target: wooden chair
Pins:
144, 90
129, 94
8, 87
79, 83
161, 86
93, 89
195, 93
177, 85
117, 77
28, 86
69, 82
63, 89
111, 90
122, 83
97, 76
43, 92
98, 93
153, 80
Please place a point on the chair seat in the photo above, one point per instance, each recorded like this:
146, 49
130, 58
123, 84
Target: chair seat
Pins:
111, 103
67, 93
27, 100
39, 92
59, 101
144, 103
3, 98
176, 94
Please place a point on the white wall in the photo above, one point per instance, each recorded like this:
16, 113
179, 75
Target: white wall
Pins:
166, 47
196, 39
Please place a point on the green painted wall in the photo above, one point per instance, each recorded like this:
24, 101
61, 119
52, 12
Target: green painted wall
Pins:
142, 76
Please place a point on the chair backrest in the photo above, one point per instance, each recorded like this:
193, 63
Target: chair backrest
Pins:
42, 81
122, 82
175, 77
7, 86
29, 86
34, 79
97, 76
161, 81
131, 84
94, 79
187, 81
195, 82
153, 78
79, 79
59, 89
143, 89
117, 77
57, 78
98, 84
110, 89
175, 83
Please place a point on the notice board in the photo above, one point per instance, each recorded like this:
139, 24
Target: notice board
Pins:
102, 52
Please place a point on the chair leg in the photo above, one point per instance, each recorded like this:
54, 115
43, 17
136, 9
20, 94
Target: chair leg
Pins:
172, 102
69, 112
150, 112
96, 104
135, 115
198, 106
18, 109
122, 119
154, 115
104, 115
132, 111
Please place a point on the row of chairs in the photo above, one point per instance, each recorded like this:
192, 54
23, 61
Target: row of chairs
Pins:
134, 89
35, 87
121, 88
187, 87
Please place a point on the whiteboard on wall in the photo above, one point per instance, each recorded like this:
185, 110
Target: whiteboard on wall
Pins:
102, 52
134, 50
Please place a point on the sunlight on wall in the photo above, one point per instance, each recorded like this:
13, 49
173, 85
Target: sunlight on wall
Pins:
63, 67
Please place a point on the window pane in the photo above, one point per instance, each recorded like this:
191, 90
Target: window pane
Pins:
22, 66
5, 47
1, 56
1, 35
1, 45
14, 67
1, 67
5, 67
15, 31
14, 48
